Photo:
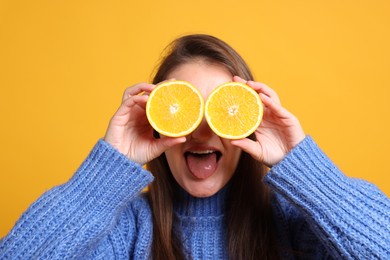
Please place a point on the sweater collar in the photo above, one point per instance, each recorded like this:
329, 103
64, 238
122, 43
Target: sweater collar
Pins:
190, 206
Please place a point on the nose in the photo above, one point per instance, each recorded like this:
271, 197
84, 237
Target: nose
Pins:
203, 132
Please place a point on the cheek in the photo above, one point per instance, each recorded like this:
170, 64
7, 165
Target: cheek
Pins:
236, 158
174, 160
232, 159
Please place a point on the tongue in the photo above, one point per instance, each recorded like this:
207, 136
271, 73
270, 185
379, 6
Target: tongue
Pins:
202, 166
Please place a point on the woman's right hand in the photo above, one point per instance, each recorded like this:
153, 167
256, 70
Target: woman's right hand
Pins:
129, 130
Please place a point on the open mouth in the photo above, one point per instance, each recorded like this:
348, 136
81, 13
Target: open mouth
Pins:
202, 163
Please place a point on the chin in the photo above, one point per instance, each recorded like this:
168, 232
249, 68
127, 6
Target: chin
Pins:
200, 194
200, 190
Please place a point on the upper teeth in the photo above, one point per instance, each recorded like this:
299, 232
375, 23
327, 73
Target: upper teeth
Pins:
202, 152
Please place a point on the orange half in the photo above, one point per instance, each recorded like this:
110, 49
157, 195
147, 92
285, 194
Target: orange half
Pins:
175, 108
234, 110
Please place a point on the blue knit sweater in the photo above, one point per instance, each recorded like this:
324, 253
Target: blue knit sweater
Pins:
101, 213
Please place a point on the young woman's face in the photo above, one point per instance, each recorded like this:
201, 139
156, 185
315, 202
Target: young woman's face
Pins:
205, 162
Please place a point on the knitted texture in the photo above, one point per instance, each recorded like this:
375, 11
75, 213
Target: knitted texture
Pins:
350, 217
101, 213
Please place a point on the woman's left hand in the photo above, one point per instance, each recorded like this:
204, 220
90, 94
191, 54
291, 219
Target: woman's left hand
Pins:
278, 132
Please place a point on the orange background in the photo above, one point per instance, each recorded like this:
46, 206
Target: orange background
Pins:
65, 64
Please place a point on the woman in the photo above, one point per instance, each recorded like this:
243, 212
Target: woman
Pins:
304, 207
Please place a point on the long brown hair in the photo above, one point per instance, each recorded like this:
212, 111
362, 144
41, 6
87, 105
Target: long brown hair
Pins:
249, 214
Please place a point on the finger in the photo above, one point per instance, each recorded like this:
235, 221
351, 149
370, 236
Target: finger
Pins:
131, 102
248, 146
163, 144
239, 79
141, 101
136, 100
275, 107
137, 89
263, 88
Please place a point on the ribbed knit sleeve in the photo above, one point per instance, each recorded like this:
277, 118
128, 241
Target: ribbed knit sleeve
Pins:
70, 219
349, 216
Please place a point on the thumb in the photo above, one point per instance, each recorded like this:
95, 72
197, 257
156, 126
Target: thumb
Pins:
250, 147
163, 144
